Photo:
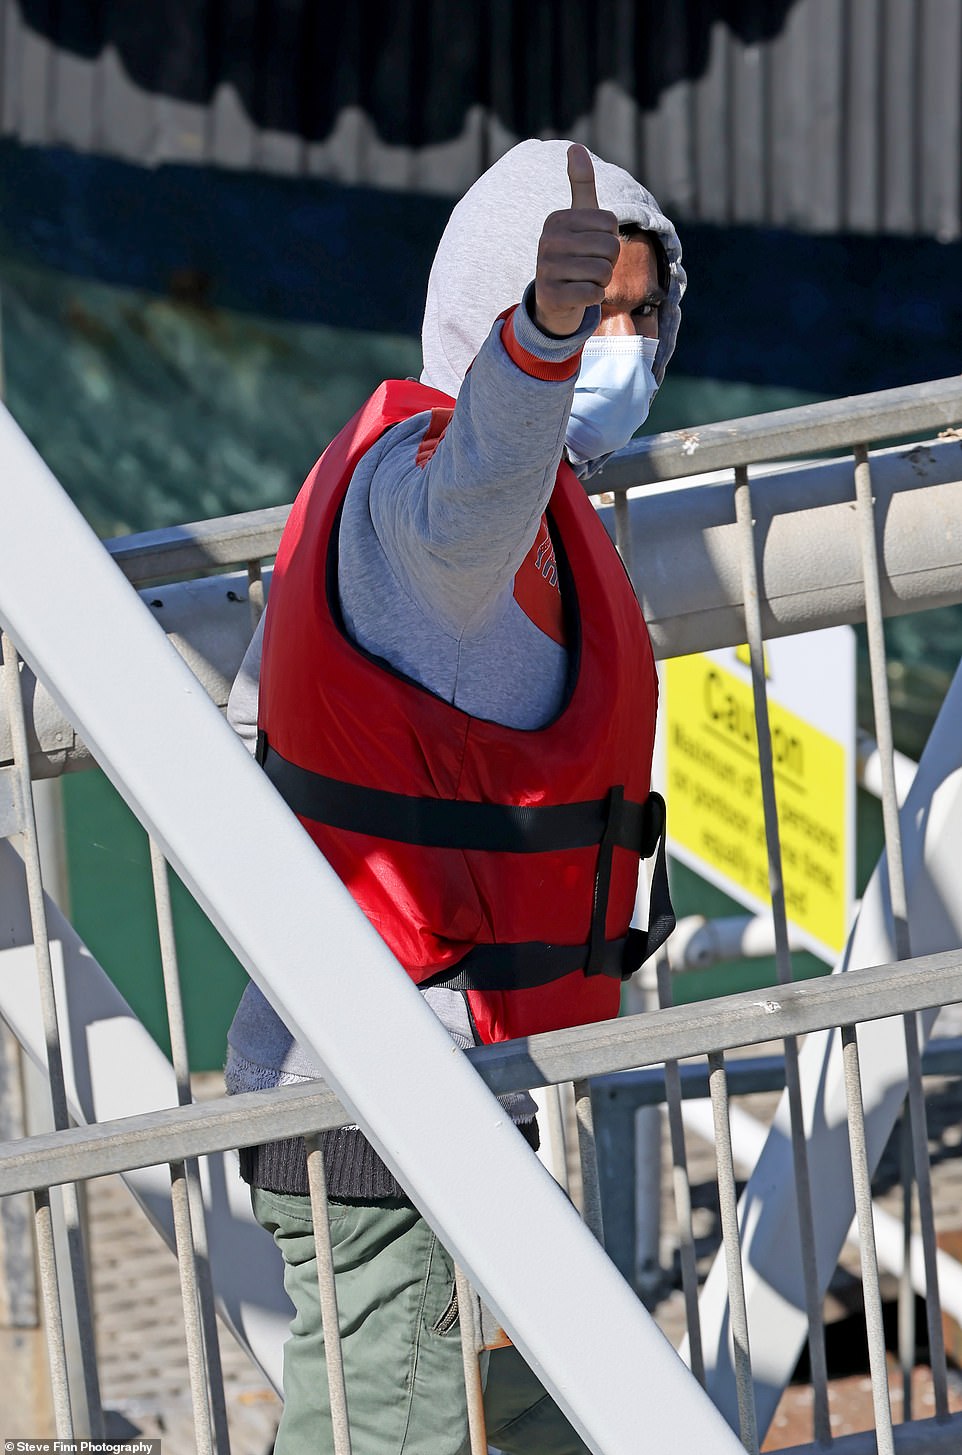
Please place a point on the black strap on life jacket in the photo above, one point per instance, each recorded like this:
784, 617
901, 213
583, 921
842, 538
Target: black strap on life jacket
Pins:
610, 822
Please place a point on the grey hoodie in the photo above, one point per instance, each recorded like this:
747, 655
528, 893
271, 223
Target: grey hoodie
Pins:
428, 552
487, 254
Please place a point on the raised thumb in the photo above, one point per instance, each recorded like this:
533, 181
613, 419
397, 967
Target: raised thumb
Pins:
581, 175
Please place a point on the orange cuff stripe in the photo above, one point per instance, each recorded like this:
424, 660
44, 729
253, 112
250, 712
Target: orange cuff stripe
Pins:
433, 435
529, 364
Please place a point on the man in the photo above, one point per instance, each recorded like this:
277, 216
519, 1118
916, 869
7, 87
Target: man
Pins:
457, 697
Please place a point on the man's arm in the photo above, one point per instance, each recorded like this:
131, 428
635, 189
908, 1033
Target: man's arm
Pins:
242, 702
455, 525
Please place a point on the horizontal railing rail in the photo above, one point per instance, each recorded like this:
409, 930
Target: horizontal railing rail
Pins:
783, 434
581, 1052
199, 547
645, 1085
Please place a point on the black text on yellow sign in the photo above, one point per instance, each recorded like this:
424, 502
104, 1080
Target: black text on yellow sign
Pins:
716, 817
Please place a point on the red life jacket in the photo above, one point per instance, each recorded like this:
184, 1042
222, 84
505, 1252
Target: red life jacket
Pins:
494, 860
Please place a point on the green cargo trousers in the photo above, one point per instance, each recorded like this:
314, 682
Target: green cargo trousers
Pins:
401, 1342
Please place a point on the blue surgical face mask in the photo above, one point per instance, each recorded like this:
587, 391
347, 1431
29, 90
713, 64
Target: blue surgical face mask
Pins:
613, 394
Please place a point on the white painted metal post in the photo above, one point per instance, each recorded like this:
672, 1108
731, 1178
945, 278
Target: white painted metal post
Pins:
327, 1292
295, 928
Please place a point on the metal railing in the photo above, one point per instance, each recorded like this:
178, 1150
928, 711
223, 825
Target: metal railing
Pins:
744, 578
685, 552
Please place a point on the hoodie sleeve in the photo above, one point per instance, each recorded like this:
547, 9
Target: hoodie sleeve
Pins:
243, 699
456, 514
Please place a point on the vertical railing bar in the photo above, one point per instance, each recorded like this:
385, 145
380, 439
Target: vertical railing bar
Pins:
588, 1152
906, 1292
818, 1359
728, 1207
681, 1184
208, 1311
38, 916
255, 591
190, 1302
471, 1345
17, 1262
13, 697
192, 1235
330, 1322
73, 1230
923, 1183
557, 1141
875, 631
898, 896
179, 1055
623, 532
861, 1178
52, 1313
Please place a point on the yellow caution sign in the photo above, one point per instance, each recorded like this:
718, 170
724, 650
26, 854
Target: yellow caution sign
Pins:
716, 818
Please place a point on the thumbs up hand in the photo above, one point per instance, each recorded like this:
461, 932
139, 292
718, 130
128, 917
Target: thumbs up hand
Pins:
577, 253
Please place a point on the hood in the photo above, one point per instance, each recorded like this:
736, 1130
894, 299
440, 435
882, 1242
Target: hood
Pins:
488, 251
